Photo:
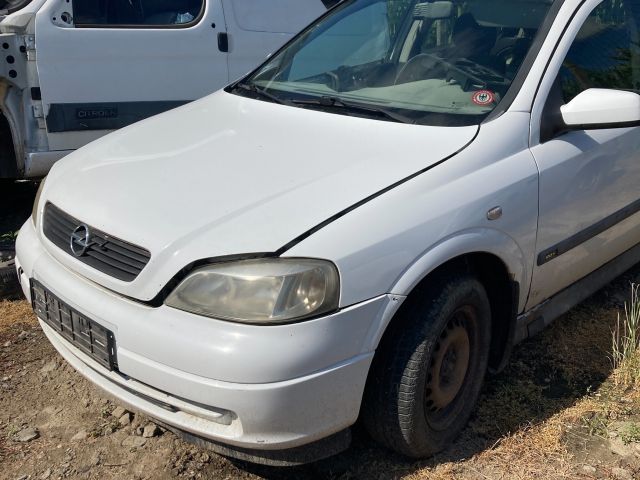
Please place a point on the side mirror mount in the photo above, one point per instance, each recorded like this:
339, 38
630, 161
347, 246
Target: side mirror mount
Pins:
599, 108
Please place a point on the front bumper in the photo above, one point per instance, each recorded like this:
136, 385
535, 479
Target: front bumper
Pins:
250, 387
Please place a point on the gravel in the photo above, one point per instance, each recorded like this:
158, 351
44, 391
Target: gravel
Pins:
151, 430
27, 435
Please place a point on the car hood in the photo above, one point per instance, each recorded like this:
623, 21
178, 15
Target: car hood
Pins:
230, 175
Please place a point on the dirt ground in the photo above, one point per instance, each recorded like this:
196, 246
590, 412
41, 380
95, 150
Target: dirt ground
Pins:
558, 411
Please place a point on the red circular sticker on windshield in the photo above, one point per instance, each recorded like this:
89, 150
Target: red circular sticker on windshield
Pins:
483, 97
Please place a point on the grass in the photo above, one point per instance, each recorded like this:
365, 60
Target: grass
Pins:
626, 340
8, 236
595, 423
630, 434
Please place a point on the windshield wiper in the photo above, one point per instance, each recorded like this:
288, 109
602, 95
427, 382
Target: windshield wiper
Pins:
327, 102
261, 92
338, 103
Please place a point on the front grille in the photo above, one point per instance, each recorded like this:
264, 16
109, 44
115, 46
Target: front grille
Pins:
82, 332
108, 254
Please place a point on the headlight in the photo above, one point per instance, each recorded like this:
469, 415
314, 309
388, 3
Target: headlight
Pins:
270, 290
35, 211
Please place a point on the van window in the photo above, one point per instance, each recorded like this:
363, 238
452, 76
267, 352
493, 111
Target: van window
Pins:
136, 13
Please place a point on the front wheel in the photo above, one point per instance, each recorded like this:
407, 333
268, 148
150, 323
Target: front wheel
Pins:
426, 376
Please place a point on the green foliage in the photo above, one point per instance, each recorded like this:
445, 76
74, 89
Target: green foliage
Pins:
596, 424
612, 65
626, 334
8, 237
611, 11
630, 433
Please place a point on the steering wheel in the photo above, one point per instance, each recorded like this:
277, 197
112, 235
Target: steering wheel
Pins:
415, 68
412, 70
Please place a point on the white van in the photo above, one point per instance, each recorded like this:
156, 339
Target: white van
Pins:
74, 70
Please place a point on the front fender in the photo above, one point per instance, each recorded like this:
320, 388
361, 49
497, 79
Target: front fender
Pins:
477, 240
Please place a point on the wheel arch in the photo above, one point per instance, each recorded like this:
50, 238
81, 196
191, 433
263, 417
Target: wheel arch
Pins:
496, 260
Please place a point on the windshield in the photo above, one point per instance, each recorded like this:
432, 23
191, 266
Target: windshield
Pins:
425, 62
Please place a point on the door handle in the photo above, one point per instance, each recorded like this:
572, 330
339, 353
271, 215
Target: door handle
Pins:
223, 42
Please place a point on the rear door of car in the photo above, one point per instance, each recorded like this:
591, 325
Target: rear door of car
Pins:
104, 64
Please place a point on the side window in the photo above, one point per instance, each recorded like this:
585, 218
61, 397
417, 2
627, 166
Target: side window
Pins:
136, 13
606, 51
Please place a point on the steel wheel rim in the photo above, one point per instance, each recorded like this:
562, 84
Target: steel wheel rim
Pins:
449, 367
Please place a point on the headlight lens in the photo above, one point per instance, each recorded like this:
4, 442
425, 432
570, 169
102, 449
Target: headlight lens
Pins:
270, 290
36, 201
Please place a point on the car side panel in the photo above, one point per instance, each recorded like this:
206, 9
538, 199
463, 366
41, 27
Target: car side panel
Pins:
585, 177
390, 243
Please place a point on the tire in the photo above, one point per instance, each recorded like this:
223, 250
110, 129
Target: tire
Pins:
427, 375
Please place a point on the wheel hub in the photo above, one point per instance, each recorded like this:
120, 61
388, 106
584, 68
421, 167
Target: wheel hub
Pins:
449, 365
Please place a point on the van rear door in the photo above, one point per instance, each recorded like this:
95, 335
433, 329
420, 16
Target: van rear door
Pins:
106, 64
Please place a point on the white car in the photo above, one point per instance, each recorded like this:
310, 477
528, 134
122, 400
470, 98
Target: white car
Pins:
360, 228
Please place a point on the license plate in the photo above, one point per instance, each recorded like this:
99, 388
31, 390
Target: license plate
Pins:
82, 332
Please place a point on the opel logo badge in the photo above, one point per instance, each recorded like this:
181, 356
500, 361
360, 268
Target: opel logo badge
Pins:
80, 240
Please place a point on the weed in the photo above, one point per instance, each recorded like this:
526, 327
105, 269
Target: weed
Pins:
595, 423
12, 430
104, 428
9, 236
105, 411
630, 433
626, 340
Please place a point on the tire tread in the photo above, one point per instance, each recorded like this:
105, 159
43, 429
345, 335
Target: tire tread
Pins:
390, 401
